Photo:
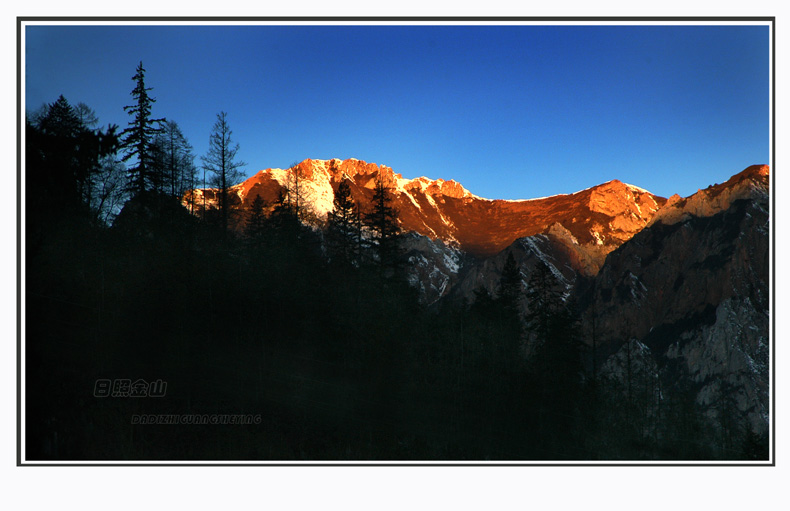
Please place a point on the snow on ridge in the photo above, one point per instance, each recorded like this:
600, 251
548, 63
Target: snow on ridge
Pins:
638, 189
530, 243
632, 187
535, 198
404, 185
452, 262
546, 197
528, 200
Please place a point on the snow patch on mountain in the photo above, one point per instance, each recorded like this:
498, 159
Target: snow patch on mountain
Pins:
433, 266
531, 244
636, 188
452, 260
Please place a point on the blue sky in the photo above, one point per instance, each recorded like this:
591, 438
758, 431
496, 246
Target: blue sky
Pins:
509, 111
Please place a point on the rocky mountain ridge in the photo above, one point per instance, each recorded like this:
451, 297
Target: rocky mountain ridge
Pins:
692, 288
748, 184
676, 289
598, 219
572, 233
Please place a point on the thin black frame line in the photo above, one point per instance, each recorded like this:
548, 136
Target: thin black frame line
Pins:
21, 19
772, 192
399, 18
19, 245
409, 464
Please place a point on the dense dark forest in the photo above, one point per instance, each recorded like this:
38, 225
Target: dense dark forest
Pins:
313, 329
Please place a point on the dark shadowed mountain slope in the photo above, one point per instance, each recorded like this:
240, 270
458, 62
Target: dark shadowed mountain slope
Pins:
693, 289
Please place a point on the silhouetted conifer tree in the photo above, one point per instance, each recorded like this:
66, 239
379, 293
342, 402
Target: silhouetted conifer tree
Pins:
342, 231
543, 301
86, 115
483, 303
383, 222
66, 156
509, 303
510, 292
137, 139
174, 161
256, 219
284, 220
295, 193
221, 161
555, 361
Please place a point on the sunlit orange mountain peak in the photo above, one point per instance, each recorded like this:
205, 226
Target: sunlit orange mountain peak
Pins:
590, 223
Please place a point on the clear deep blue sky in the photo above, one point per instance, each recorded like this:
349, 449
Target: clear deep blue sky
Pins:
510, 112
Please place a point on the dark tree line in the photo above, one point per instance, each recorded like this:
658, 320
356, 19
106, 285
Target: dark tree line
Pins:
67, 156
254, 311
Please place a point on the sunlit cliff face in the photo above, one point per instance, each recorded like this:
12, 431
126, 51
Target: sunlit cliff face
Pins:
596, 220
751, 182
602, 217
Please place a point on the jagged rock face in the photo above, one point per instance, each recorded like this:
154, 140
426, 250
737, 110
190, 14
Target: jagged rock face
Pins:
751, 183
527, 252
669, 273
631, 208
593, 221
727, 361
485, 227
632, 366
433, 266
693, 288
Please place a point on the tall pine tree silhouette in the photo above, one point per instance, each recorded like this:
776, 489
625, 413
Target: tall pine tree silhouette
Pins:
510, 284
221, 161
544, 302
137, 139
295, 192
175, 161
508, 300
256, 220
555, 363
342, 230
383, 222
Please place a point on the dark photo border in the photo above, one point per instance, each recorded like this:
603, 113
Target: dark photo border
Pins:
20, 113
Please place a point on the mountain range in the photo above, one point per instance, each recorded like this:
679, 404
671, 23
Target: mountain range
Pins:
600, 218
681, 281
